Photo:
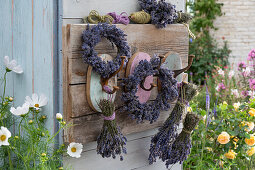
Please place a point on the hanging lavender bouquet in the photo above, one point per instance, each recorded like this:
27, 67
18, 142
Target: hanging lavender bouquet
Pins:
162, 13
111, 141
182, 145
161, 143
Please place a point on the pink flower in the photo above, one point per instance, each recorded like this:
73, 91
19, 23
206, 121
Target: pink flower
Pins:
251, 55
220, 87
252, 84
241, 65
244, 94
221, 72
246, 72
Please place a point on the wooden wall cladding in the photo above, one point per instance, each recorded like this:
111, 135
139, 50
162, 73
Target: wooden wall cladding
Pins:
144, 38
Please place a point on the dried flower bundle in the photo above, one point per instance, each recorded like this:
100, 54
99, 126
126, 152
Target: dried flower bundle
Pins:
161, 143
162, 13
111, 141
151, 110
182, 145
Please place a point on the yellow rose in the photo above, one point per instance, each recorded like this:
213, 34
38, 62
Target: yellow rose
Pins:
251, 151
250, 141
236, 105
252, 112
223, 138
250, 126
230, 155
189, 109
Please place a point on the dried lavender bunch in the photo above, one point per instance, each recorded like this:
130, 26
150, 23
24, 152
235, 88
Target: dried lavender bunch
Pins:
161, 143
111, 141
162, 13
166, 135
182, 145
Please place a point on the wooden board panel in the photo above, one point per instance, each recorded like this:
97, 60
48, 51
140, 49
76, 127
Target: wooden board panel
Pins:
81, 8
145, 38
136, 159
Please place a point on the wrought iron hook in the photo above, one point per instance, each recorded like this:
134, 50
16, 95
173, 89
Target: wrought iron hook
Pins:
152, 84
190, 61
104, 81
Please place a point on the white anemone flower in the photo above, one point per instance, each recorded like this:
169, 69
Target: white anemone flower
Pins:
19, 111
221, 72
74, 149
36, 101
12, 65
59, 116
5, 134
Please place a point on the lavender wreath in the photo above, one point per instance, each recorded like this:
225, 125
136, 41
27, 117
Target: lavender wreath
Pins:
149, 111
92, 36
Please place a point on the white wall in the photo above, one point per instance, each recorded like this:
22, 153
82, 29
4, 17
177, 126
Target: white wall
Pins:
238, 27
138, 144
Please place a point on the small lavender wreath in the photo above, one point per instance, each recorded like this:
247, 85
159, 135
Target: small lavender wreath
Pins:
92, 36
149, 111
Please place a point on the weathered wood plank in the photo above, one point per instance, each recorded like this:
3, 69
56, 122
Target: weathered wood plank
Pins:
81, 8
141, 37
145, 38
87, 128
137, 158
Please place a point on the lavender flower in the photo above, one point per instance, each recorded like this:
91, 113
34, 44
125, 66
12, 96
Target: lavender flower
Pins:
111, 141
182, 145
92, 36
148, 111
161, 143
162, 13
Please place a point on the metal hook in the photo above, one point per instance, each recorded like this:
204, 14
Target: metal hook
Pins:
190, 61
104, 81
152, 84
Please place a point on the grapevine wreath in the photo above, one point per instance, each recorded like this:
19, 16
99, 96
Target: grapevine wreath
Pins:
92, 36
149, 111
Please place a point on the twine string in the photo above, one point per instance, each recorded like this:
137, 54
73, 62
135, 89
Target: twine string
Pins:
140, 17
190, 32
95, 18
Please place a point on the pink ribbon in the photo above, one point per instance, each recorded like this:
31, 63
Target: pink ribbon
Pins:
119, 19
112, 117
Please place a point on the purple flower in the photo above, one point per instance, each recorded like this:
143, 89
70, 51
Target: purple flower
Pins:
241, 65
220, 87
252, 84
251, 55
244, 93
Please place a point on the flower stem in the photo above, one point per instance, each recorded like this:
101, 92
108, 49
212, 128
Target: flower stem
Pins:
10, 160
